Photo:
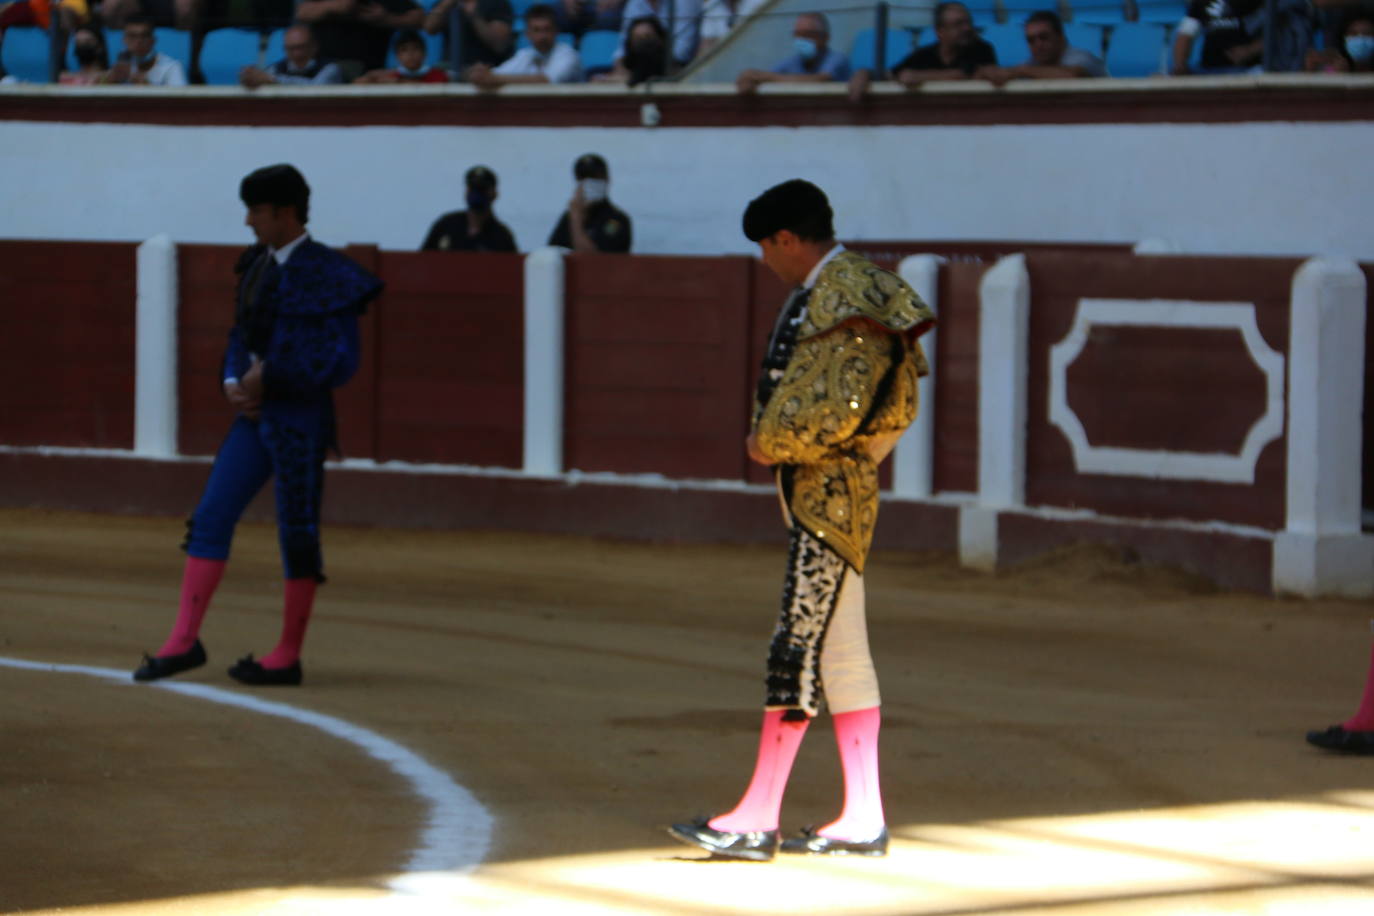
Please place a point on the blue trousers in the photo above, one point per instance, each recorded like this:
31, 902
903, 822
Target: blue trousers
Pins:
253, 452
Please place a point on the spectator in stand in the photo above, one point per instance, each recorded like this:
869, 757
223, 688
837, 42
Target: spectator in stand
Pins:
956, 54
301, 66
813, 61
592, 222
411, 66
685, 27
486, 30
1051, 57
71, 15
1353, 53
645, 57
356, 34
476, 228
718, 17
579, 16
545, 60
140, 64
1232, 35
92, 58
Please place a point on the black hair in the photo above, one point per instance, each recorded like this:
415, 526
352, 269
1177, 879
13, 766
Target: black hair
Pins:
278, 185
590, 165
798, 206
1050, 19
541, 11
944, 7
408, 37
140, 19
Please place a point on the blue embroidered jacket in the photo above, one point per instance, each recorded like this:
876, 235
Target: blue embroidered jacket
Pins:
303, 323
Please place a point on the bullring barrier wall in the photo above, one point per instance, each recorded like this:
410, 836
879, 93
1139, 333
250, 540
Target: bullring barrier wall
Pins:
1203, 412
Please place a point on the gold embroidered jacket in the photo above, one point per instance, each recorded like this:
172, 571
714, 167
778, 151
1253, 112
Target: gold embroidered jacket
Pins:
846, 396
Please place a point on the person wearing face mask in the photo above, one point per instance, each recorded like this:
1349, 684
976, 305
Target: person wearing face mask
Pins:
592, 222
92, 60
1353, 53
140, 63
813, 61
476, 228
410, 64
644, 58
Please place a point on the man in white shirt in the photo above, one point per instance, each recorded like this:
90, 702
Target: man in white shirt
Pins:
545, 60
139, 64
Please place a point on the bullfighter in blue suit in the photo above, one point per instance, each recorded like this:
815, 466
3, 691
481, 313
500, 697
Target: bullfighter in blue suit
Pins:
294, 340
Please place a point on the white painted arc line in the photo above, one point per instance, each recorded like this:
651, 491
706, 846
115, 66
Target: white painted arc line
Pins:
457, 833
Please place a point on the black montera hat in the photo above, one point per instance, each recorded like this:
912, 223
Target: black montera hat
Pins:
479, 176
279, 185
590, 165
796, 205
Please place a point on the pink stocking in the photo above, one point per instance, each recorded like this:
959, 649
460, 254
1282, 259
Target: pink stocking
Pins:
198, 584
856, 733
758, 809
299, 601
1363, 720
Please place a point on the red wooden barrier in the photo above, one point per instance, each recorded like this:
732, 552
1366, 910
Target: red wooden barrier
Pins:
1180, 390
450, 358
205, 284
67, 348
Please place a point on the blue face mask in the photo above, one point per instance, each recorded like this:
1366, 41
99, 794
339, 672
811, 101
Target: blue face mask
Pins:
805, 47
1359, 47
478, 200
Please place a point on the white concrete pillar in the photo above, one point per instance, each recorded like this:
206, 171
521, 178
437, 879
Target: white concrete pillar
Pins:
1321, 551
155, 349
544, 296
1003, 326
913, 461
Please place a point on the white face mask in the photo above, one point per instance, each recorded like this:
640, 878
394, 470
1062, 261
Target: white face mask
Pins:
593, 189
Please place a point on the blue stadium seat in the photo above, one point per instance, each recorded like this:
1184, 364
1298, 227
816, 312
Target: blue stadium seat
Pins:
983, 16
1167, 12
1098, 12
174, 43
863, 53
1017, 10
226, 51
25, 53
598, 49
1136, 49
520, 6
276, 46
1008, 39
1085, 36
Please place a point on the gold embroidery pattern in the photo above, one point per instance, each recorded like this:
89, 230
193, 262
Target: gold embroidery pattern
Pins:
830, 386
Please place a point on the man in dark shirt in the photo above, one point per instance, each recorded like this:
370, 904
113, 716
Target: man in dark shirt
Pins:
476, 228
486, 27
592, 222
1232, 35
356, 34
955, 55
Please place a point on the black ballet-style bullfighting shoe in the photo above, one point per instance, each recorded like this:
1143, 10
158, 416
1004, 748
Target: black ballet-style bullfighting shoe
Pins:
247, 671
811, 843
156, 667
755, 845
1342, 740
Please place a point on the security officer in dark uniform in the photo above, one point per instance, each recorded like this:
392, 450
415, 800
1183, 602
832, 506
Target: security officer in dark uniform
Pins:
476, 228
592, 222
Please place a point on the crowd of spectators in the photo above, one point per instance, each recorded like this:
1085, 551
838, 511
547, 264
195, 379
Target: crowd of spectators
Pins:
485, 43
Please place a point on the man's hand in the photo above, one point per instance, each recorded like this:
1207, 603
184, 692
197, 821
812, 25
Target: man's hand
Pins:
751, 444
750, 80
372, 13
858, 85
577, 207
998, 76
253, 77
246, 394
480, 75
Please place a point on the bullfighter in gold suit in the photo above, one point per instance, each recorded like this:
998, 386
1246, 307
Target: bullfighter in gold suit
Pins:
836, 390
